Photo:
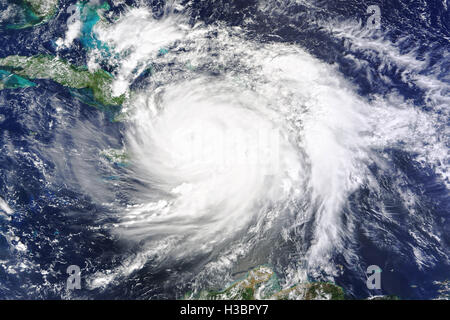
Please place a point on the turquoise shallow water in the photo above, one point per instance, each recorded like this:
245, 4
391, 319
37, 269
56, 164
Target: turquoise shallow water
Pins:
11, 81
25, 18
90, 18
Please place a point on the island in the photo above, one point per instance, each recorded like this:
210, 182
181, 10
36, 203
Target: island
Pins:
262, 283
98, 82
35, 12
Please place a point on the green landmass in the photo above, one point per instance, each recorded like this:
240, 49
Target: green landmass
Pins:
12, 81
261, 283
34, 12
312, 291
64, 73
42, 8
